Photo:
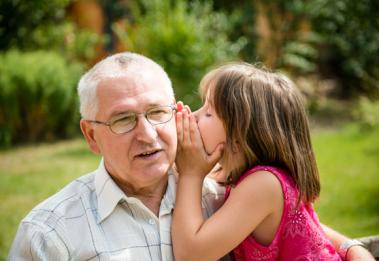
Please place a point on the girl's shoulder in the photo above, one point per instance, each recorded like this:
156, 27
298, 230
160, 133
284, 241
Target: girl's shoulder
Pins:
280, 173
287, 184
258, 177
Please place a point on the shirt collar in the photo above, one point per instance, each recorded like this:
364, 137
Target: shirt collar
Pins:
109, 194
168, 201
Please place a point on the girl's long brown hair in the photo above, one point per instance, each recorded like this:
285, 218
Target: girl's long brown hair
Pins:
264, 117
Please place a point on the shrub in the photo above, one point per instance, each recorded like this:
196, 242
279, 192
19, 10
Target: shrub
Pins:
19, 19
41, 24
186, 39
37, 96
339, 39
350, 32
367, 113
66, 38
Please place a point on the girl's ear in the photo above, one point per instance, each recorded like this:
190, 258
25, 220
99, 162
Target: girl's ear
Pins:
89, 134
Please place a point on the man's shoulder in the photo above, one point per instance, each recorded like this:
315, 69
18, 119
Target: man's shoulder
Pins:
50, 229
65, 202
213, 195
212, 188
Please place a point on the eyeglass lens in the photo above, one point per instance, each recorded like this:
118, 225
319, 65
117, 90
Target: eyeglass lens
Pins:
127, 121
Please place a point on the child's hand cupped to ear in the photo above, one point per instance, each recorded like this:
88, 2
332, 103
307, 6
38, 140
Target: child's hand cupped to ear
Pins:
191, 157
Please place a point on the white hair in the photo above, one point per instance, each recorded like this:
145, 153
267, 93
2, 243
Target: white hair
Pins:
117, 65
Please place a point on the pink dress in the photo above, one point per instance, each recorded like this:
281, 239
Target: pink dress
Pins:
299, 236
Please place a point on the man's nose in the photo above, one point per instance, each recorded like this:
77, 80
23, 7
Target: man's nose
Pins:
145, 131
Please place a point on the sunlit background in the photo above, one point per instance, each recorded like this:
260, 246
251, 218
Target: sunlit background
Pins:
329, 48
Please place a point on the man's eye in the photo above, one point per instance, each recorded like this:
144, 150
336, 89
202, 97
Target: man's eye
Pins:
157, 112
124, 120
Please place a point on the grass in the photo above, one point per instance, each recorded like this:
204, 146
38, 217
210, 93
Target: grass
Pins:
348, 162
30, 174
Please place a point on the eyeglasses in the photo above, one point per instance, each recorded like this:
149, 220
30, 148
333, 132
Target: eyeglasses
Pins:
127, 121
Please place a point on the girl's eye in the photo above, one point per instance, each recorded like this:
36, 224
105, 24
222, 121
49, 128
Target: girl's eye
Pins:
208, 115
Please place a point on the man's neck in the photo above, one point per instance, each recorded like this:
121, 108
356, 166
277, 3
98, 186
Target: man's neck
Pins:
150, 196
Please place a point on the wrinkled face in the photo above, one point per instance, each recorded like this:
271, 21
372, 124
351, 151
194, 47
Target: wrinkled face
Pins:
142, 156
211, 128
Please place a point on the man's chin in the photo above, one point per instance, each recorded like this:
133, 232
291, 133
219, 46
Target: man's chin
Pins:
157, 169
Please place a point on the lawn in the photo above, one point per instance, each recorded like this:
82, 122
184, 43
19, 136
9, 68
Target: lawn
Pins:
348, 162
30, 174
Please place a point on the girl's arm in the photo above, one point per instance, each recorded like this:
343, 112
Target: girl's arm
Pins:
247, 206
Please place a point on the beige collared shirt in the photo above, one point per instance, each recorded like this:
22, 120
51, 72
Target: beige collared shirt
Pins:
92, 219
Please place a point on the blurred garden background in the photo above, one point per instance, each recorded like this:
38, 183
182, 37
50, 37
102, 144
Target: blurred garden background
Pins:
329, 48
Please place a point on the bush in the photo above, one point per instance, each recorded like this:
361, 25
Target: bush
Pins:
186, 39
19, 19
367, 113
41, 24
339, 39
350, 31
37, 96
66, 38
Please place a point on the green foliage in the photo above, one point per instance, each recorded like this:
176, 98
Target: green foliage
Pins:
42, 24
37, 96
300, 55
37, 88
350, 30
348, 164
19, 19
367, 113
66, 38
347, 44
186, 39
241, 19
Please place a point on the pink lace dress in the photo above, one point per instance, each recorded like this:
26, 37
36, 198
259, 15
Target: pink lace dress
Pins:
299, 236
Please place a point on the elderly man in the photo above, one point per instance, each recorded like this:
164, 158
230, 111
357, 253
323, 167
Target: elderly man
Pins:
122, 210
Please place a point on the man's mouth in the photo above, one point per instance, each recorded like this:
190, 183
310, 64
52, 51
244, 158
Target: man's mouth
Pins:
148, 154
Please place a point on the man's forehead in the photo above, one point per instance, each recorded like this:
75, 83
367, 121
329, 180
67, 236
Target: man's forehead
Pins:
117, 94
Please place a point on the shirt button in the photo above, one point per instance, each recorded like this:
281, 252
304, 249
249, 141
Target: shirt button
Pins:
151, 221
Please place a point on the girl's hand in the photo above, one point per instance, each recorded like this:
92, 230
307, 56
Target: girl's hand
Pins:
191, 157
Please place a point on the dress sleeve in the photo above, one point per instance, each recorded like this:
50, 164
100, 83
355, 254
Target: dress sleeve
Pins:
38, 242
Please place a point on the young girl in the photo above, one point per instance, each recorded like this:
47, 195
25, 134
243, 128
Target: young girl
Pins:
254, 124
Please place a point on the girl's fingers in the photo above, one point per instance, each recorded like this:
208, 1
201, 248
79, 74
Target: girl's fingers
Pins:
182, 124
194, 130
216, 154
188, 109
186, 128
179, 106
179, 126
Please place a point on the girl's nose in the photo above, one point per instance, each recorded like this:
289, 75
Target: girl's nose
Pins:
196, 114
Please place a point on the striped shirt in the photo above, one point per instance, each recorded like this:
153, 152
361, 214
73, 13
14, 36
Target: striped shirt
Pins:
92, 219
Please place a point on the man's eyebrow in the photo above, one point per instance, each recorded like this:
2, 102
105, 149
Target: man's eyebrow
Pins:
121, 112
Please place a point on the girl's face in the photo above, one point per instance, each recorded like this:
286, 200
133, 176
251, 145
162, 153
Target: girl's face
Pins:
211, 129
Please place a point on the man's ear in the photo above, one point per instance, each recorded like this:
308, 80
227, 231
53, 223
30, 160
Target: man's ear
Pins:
89, 135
